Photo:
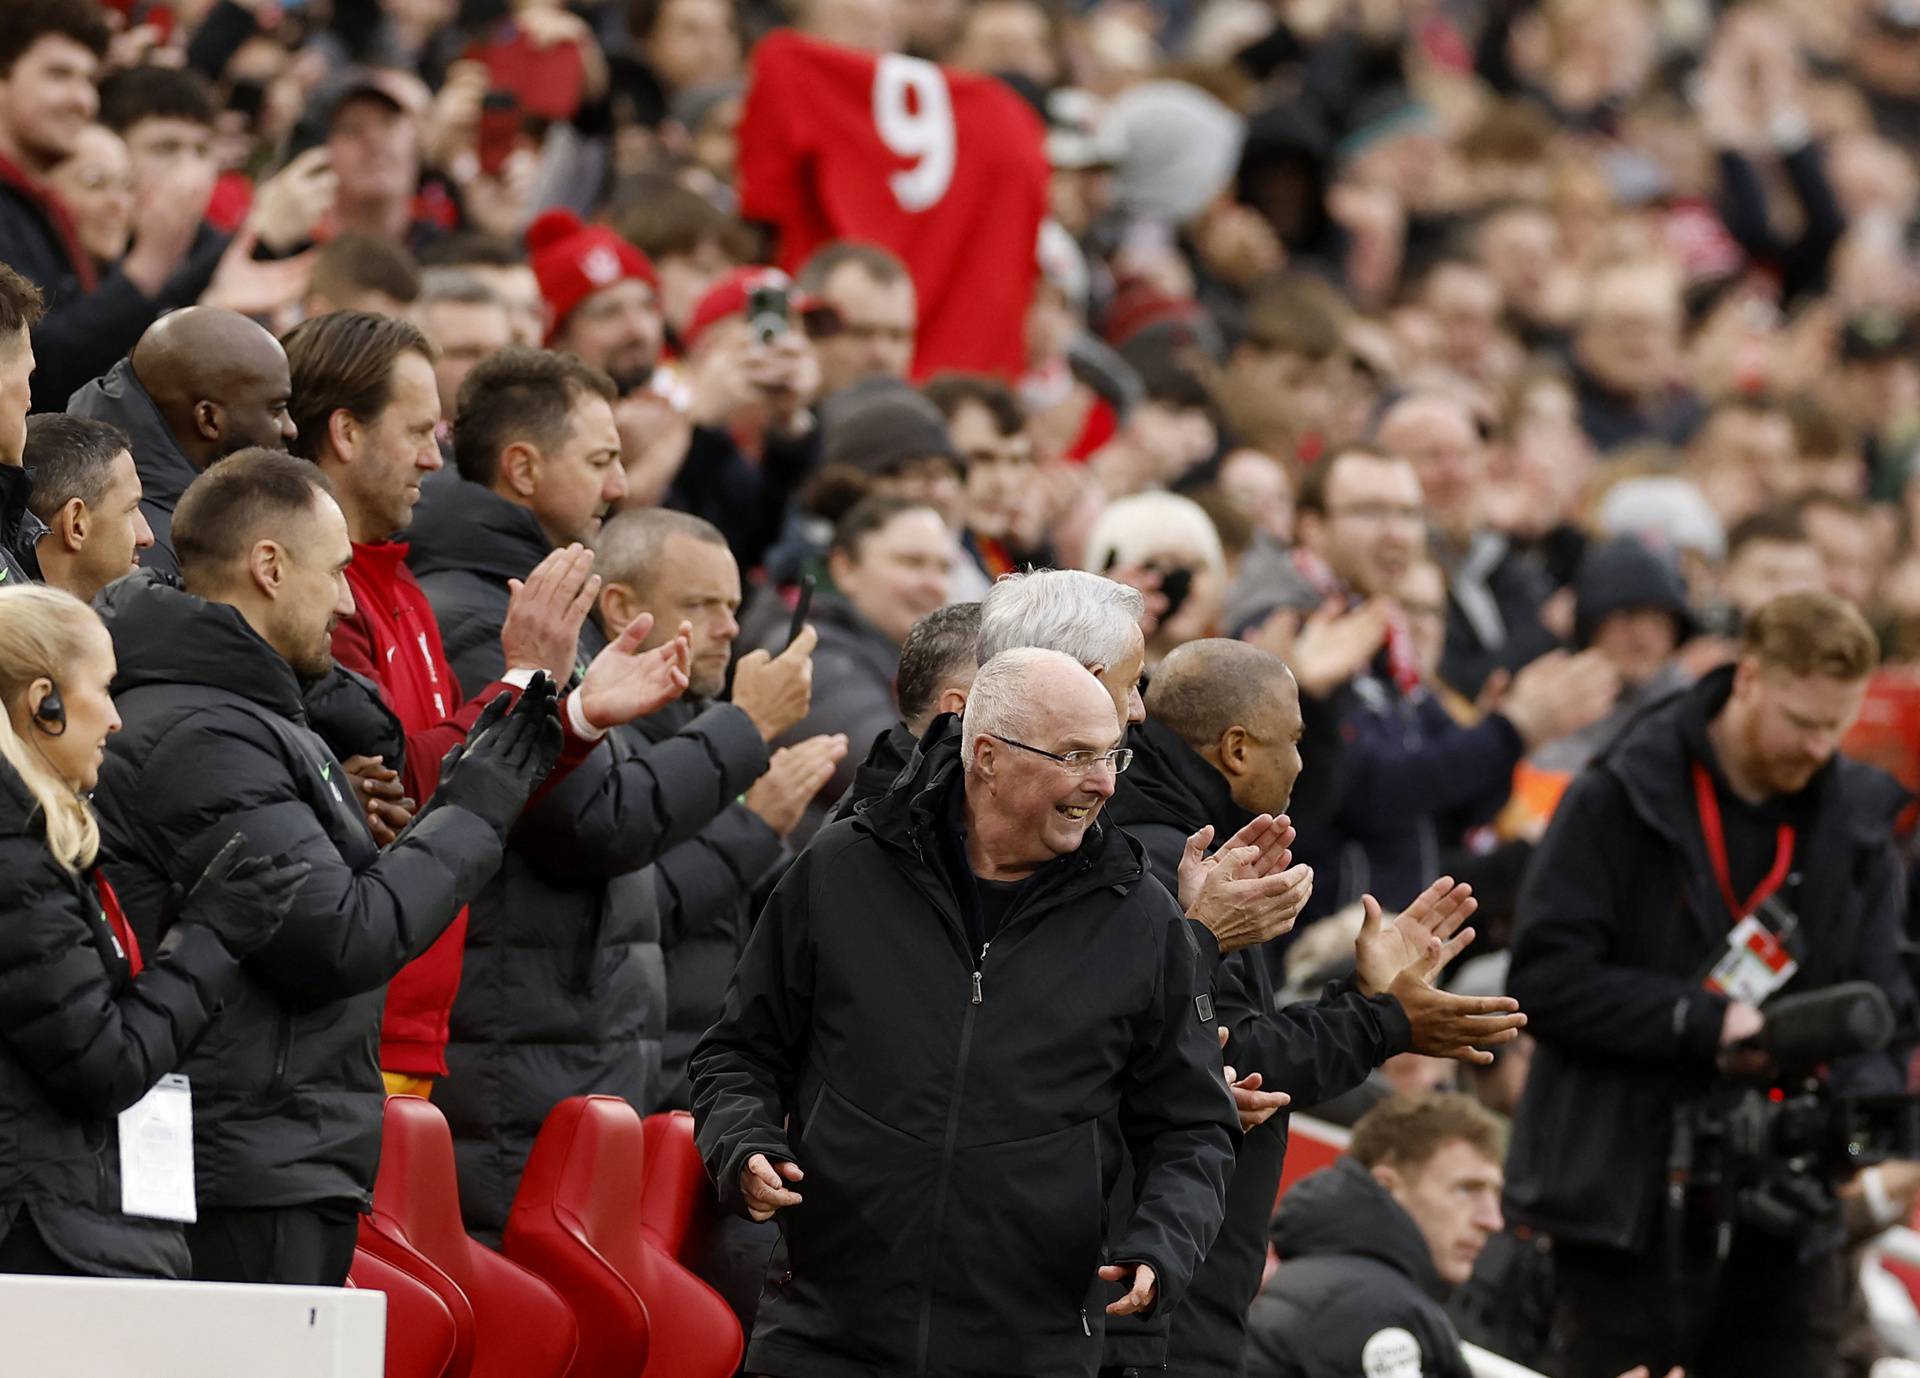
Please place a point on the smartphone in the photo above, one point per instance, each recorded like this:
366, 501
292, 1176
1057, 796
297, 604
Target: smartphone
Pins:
803, 606
767, 313
501, 121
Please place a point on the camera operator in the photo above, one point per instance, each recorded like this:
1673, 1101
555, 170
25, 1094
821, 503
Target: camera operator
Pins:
1724, 802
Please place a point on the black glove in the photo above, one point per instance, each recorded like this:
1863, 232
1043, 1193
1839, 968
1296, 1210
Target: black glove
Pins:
505, 756
244, 898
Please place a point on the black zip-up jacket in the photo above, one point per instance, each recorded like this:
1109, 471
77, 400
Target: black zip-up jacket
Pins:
960, 1114
81, 1039
563, 989
1356, 1292
164, 471
1312, 1051
286, 1085
1619, 919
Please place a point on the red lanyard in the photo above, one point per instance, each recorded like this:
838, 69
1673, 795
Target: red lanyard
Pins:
117, 921
1716, 839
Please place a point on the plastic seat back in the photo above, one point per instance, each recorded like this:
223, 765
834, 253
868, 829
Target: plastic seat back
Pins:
421, 1333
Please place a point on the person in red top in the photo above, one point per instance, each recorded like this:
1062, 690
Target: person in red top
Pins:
364, 389
946, 169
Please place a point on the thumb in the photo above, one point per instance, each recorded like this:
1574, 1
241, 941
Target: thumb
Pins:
1223, 1037
752, 660
1112, 1272
628, 642
1196, 846
1370, 920
803, 644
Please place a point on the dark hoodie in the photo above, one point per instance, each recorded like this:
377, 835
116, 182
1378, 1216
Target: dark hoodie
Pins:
1356, 1292
286, 1087
165, 472
885, 759
960, 1114
1312, 1051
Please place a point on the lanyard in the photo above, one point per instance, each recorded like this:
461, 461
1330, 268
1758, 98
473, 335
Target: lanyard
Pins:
117, 922
1716, 840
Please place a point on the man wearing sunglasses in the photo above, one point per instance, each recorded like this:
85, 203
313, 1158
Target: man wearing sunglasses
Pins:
958, 1008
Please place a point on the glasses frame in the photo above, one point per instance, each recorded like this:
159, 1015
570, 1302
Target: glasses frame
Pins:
1116, 760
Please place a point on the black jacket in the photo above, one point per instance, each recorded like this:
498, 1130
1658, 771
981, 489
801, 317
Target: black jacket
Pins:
563, 987
885, 759
853, 671
81, 1040
1356, 1292
164, 471
1312, 1051
20, 530
286, 1088
709, 889
959, 1150
1619, 918
746, 498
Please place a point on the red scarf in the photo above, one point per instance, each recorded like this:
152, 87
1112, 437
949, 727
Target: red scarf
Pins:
1402, 664
50, 206
116, 920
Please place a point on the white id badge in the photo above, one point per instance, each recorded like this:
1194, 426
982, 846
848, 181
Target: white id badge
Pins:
156, 1153
1754, 966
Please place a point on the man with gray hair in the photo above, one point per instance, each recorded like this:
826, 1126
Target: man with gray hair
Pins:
935, 1119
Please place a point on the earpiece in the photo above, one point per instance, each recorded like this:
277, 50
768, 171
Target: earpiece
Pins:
50, 716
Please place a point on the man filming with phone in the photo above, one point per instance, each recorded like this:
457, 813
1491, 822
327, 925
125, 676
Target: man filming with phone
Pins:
1719, 854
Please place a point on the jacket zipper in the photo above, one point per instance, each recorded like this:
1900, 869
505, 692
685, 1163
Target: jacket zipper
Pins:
283, 1050
946, 1159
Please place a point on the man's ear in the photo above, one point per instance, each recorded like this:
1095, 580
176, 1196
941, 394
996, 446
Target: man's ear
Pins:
952, 700
209, 419
1389, 1178
343, 432
519, 472
619, 605
1235, 757
267, 566
72, 523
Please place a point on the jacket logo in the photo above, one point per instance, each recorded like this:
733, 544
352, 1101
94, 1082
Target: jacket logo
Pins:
1391, 1353
326, 774
1203, 1005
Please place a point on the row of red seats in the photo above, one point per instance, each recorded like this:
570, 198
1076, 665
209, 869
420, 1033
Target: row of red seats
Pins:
591, 1283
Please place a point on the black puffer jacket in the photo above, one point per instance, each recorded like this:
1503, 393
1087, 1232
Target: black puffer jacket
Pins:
1356, 1292
165, 472
1312, 1051
286, 1087
563, 988
81, 1040
1620, 916
960, 1116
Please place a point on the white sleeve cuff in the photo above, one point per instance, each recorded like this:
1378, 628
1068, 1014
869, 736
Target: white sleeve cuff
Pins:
519, 678
577, 721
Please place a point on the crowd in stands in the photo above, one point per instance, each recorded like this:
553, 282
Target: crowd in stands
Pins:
538, 540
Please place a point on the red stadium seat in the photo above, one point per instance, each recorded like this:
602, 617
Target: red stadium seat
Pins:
677, 1203
422, 1337
513, 1324
581, 1221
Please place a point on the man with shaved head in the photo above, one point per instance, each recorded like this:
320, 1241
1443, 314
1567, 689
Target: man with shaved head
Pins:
1220, 745
201, 383
958, 1007
1495, 592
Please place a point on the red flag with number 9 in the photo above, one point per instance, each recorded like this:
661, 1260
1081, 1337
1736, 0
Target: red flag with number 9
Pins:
946, 169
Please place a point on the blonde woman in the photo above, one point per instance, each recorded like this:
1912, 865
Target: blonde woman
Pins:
88, 1022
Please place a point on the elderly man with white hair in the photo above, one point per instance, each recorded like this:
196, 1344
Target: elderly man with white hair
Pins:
958, 1008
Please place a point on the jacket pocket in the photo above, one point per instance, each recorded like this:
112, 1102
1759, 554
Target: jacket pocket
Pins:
866, 1198
1025, 1222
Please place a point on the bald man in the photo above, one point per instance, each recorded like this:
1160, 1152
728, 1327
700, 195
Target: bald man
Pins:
1219, 746
1495, 593
201, 384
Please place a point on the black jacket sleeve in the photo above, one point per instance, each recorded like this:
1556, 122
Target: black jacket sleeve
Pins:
1312, 1050
350, 931
743, 1072
617, 816
1178, 1120
1567, 973
93, 1051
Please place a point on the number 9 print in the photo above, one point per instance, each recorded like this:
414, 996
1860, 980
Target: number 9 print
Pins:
913, 114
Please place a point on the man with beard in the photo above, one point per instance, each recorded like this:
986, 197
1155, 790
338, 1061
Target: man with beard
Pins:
287, 1096
1720, 822
938, 1119
602, 295
200, 384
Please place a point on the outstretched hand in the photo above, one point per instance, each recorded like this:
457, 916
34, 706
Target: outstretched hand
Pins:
625, 683
1254, 1106
1426, 931
1139, 1295
763, 1184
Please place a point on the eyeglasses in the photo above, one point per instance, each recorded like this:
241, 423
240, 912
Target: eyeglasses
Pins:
1079, 762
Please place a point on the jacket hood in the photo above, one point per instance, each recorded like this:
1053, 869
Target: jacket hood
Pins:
1621, 576
20, 530
1344, 1211
164, 635
1170, 783
909, 814
116, 396
464, 527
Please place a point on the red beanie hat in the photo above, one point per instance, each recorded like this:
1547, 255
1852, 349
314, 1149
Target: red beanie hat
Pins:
728, 297
573, 261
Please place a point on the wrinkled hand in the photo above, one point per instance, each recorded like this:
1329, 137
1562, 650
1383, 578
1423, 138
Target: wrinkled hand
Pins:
244, 898
1139, 1296
544, 612
1254, 1106
1460, 1027
1241, 907
763, 1185
1269, 834
776, 690
506, 755
796, 774
625, 683
291, 204
382, 797
1426, 930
